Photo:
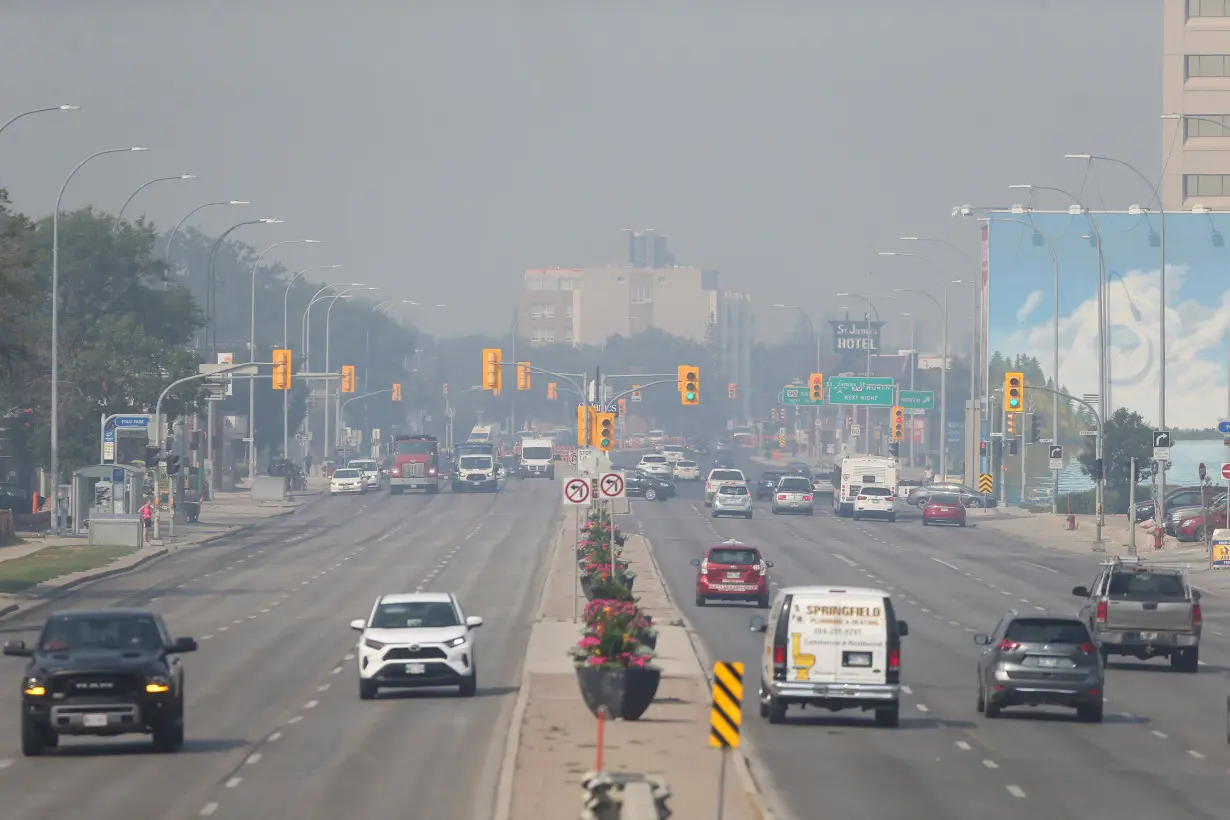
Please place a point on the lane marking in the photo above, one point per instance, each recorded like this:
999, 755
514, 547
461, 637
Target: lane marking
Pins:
233, 782
274, 736
206, 637
922, 707
1015, 791
945, 563
1039, 566
253, 759
337, 670
1195, 754
324, 687
963, 746
906, 689
311, 704
208, 809
295, 719
990, 764
844, 559
1156, 733
223, 628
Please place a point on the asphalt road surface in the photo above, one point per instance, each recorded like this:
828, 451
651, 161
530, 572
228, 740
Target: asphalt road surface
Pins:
1162, 750
275, 727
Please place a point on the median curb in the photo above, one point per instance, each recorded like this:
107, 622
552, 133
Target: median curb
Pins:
760, 801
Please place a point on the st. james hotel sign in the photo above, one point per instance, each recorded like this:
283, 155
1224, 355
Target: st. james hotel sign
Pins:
851, 335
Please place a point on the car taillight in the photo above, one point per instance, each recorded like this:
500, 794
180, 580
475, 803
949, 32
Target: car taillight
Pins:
764, 569
1197, 615
1101, 612
704, 567
779, 655
781, 496
1008, 646
1089, 649
894, 659
807, 498
862, 498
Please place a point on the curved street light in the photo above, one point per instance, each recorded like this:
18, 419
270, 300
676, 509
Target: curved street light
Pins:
55, 323
285, 344
119, 217
871, 305
38, 111
345, 294
166, 253
210, 297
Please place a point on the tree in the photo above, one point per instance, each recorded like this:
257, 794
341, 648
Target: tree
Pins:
1127, 435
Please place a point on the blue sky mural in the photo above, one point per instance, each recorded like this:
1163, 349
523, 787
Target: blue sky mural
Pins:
1021, 312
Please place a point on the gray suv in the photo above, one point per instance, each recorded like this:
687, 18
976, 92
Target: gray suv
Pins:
1040, 661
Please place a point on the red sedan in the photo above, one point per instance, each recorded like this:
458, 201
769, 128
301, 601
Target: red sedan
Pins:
944, 508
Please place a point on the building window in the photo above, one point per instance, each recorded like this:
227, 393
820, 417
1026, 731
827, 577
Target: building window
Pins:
1208, 65
536, 336
536, 310
1209, 125
1206, 185
1208, 8
642, 294
548, 336
548, 311
568, 312
568, 337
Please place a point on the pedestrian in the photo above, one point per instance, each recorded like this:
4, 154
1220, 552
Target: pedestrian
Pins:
147, 518
928, 475
307, 464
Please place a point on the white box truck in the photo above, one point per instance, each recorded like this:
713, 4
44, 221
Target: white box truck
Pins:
537, 458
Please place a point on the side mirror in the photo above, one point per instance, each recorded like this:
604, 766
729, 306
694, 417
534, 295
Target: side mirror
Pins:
768, 563
757, 624
473, 621
182, 645
17, 649
982, 640
903, 629
359, 624
1080, 592
1195, 595
696, 562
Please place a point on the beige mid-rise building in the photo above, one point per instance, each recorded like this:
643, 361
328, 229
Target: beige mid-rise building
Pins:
1196, 85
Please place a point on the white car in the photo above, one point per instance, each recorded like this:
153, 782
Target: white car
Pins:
414, 640
875, 502
719, 476
347, 481
673, 452
732, 499
687, 471
793, 494
657, 465
370, 470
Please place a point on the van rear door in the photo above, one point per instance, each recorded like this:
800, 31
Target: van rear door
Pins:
839, 638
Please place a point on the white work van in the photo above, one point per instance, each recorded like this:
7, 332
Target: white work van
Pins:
833, 648
537, 458
863, 471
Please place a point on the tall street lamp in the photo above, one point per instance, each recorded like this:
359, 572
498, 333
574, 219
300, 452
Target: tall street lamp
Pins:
306, 338
38, 111
210, 317
913, 373
166, 252
871, 305
816, 336
119, 217
328, 318
55, 325
286, 344
252, 352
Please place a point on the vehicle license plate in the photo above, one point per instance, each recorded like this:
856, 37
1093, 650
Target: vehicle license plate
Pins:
734, 574
415, 669
94, 721
1048, 663
943, 509
1148, 636
858, 659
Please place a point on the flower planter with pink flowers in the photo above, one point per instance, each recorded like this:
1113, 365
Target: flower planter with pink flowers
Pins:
613, 657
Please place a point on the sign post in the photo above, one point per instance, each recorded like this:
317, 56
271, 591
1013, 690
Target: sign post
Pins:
1056, 456
1161, 445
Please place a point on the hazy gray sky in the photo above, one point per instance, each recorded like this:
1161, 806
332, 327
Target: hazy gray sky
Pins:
438, 148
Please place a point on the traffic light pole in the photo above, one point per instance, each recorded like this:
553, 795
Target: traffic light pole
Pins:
1100, 480
342, 413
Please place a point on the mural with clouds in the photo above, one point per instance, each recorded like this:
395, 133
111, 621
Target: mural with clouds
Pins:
1021, 305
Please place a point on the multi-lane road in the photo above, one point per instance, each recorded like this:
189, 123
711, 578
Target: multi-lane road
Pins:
1161, 751
275, 727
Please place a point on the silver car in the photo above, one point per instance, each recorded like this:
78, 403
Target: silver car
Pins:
732, 499
1040, 661
794, 494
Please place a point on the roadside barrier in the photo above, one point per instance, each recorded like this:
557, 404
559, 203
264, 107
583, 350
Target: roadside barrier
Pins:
624, 796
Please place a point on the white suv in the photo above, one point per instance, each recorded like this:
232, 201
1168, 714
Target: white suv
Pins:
657, 465
875, 502
414, 640
720, 476
673, 452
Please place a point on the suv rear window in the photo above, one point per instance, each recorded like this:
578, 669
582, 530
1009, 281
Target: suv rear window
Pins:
653, 459
744, 558
795, 485
726, 475
1160, 585
877, 491
732, 489
1047, 630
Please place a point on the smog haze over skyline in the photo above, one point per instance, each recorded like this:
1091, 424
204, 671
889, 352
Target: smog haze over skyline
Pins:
438, 149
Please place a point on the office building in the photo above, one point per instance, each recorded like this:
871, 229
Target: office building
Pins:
1196, 83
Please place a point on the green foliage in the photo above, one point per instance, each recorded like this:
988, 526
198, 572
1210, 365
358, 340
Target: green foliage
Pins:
1127, 436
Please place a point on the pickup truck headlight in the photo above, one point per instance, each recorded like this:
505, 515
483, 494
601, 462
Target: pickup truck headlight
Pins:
455, 642
157, 684
34, 688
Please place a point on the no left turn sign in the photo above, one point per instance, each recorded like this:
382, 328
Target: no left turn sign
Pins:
576, 491
612, 485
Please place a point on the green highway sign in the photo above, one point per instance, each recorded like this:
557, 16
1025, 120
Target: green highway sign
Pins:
864, 392
797, 396
916, 400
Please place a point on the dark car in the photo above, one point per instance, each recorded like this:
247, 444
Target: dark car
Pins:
723, 459
1040, 661
969, 497
1175, 497
639, 484
102, 673
766, 485
15, 499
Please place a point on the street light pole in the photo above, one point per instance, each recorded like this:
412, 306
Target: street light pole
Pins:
38, 111
119, 217
913, 370
816, 336
252, 352
166, 252
286, 344
943, 368
867, 299
328, 317
55, 327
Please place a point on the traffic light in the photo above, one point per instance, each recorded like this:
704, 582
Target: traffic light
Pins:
552, 390
1010, 425
604, 435
898, 424
1014, 392
523, 375
689, 384
172, 464
623, 407
772, 414
587, 424
445, 390
732, 391
492, 372
894, 448
982, 449
348, 378
1035, 428
281, 369
816, 382
397, 392
1012, 446
151, 455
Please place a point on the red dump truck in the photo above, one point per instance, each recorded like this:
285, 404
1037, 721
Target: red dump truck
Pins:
416, 464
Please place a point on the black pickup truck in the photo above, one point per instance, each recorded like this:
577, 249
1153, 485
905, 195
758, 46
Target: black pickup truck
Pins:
102, 673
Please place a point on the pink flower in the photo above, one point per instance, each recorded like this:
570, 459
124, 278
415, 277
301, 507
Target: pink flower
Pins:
597, 660
589, 642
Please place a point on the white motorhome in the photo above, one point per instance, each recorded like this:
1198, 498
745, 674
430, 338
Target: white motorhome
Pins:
482, 434
537, 458
862, 471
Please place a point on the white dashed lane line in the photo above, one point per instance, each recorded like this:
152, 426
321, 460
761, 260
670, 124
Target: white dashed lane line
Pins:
963, 746
253, 759
990, 764
233, 782
208, 809
1016, 791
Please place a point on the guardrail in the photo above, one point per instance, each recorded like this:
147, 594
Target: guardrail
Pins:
624, 796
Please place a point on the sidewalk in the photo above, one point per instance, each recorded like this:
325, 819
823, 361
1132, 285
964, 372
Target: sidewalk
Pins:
552, 742
1049, 531
226, 515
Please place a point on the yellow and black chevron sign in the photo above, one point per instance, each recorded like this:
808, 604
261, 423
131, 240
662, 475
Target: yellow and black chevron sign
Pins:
726, 716
986, 484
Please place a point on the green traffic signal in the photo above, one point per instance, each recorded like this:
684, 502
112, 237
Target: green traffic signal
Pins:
691, 396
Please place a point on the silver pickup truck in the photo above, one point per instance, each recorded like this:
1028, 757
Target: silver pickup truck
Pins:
1143, 610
